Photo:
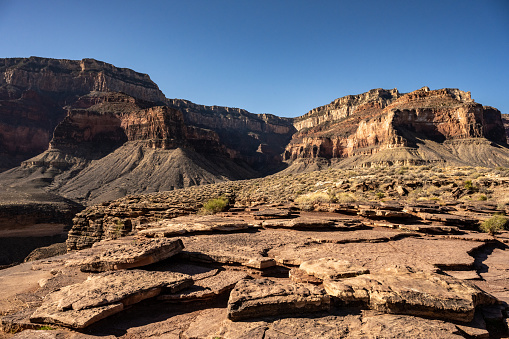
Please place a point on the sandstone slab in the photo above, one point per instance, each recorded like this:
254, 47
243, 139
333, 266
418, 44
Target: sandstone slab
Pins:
102, 295
263, 297
340, 326
431, 229
247, 249
426, 254
497, 275
272, 214
124, 253
208, 287
448, 219
299, 223
401, 290
332, 268
192, 224
299, 276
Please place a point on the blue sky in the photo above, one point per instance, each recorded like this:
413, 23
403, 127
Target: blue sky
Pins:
275, 56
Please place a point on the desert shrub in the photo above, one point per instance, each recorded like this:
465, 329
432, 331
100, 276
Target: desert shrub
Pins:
482, 197
307, 201
215, 205
344, 198
379, 195
469, 185
494, 224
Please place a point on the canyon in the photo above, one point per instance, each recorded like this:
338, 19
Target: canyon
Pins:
124, 213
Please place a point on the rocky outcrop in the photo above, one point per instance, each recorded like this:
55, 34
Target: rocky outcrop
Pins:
33, 92
66, 78
505, 120
258, 139
395, 128
351, 282
346, 106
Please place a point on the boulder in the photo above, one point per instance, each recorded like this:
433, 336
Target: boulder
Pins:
272, 214
128, 252
402, 290
207, 288
104, 294
263, 297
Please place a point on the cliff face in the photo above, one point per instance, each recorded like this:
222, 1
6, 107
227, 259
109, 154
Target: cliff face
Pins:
258, 139
37, 94
345, 106
382, 120
505, 120
63, 78
34, 91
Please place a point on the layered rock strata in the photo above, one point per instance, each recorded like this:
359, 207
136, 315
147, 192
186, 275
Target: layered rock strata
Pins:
387, 127
34, 91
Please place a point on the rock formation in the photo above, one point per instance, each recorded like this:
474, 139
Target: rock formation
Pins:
505, 120
385, 127
34, 91
229, 275
87, 119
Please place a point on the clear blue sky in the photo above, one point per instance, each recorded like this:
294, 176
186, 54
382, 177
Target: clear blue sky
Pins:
275, 56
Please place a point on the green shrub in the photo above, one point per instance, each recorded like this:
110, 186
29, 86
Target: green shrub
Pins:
468, 185
379, 195
313, 198
45, 328
494, 224
215, 205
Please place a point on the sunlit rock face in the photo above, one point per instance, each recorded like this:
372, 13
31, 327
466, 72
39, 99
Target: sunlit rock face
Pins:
379, 120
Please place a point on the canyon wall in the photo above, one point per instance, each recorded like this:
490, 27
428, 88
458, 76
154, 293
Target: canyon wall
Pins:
34, 92
382, 120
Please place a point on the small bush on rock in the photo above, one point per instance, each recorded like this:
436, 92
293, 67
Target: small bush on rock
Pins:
215, 206
494, 224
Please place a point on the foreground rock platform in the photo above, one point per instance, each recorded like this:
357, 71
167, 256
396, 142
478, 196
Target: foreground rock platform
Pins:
128, 252
263, 297
281, 273
102, 295
401, 290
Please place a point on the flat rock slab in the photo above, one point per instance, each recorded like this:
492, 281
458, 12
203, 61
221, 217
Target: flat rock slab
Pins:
431, 229
334, 327
360, 236
463, 275
448, 219
497, 276
272, 214
384, 214
247, 249
300, 223
56, 334
104, 294
263, 297
401, 290
207, 288
332, 268
128, 252
403, 326
421, 253
192, 224
299, 276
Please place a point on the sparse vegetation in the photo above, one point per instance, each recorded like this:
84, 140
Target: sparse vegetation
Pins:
45, 328
215, 205
469, 185
494, 224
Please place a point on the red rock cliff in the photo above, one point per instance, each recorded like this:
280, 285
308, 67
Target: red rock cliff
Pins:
380, 120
